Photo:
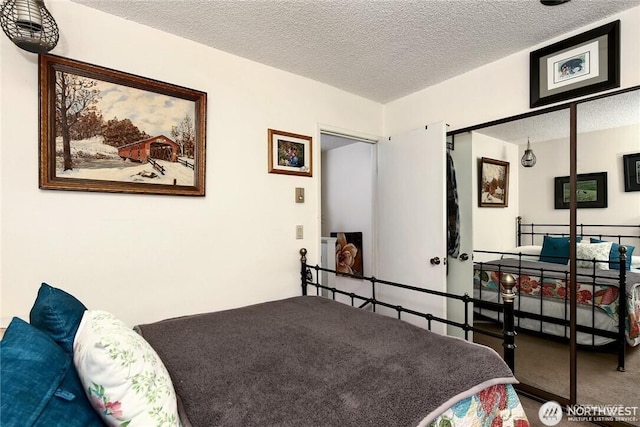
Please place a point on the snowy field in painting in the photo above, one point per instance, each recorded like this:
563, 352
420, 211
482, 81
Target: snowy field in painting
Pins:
94, 160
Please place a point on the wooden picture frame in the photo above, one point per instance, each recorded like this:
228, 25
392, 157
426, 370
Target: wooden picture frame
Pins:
493, 183
580, 65
631, 167
289, 153
109, 131
591, 191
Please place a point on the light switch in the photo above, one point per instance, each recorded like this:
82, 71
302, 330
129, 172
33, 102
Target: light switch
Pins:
299, 232
299, 195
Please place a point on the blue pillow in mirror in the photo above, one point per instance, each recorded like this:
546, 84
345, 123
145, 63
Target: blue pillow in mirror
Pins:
556, 249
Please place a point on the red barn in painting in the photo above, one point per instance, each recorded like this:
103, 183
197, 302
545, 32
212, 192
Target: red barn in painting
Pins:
157, 147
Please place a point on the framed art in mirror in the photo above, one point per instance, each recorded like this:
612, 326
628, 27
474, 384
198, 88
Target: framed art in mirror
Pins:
591, 191
631, 166
493, 188
109, 131
580, 65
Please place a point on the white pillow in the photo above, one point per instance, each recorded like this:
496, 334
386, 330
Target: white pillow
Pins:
529, 253
587, 252
122, 375
635, 261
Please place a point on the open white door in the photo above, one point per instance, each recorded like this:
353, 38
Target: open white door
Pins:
411, 205
460, 269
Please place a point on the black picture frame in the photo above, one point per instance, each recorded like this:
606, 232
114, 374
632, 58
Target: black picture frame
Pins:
580, 65
631, 166
591, 190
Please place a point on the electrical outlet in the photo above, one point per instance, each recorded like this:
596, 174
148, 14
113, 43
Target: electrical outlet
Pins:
299, 232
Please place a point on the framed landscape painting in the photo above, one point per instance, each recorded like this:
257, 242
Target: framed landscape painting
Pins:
493, 189
109, 131
591, 191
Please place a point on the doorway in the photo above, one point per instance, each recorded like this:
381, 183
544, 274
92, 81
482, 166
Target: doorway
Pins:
347, 188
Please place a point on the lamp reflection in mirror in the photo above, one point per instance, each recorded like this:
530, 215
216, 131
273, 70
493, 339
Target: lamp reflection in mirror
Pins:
29, 25
528, 159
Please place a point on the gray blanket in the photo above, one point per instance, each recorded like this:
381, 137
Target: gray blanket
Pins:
309, 361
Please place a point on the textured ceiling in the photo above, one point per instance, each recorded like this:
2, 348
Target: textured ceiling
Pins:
604, 113
379, 49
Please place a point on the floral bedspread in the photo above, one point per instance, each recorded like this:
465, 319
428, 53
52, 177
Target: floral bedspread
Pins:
494, 406
604, 296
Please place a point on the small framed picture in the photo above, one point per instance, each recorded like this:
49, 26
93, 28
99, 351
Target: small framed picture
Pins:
631, 164
578, 66
289, 153
493, 189
591, 191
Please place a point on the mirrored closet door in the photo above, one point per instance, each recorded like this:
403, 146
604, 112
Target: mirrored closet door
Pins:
607, 216
533, 232
513, 237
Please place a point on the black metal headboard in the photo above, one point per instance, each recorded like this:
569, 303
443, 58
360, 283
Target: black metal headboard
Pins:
529, 233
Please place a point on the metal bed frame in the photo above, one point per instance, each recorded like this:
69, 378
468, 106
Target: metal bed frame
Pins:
584, 230
308, 278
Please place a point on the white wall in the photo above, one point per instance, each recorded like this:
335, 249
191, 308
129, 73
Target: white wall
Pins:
236, 246
499, 89
494, 228
599, 151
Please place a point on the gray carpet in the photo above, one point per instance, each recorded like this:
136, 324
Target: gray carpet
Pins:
544, 363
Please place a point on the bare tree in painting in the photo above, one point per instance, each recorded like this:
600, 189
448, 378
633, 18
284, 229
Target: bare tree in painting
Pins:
76, 97
185, 136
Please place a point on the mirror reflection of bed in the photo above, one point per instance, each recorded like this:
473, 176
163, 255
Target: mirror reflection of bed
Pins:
607, 129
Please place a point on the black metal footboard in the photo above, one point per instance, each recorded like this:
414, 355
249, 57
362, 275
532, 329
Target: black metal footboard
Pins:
310, 274
585, 280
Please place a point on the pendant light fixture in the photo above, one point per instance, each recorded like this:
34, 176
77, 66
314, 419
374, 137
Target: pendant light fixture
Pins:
528, 159
29, 25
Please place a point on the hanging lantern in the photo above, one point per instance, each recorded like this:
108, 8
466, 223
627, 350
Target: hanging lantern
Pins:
528, 159
29, 25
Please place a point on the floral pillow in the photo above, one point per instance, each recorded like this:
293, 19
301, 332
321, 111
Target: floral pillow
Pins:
122, 375
587, 252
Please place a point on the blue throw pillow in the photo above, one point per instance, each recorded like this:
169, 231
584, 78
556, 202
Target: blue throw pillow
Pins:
58, 314
556, 249
39, 385
614, 255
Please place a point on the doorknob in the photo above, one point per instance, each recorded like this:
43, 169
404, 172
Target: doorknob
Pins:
435, 261
464, 256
